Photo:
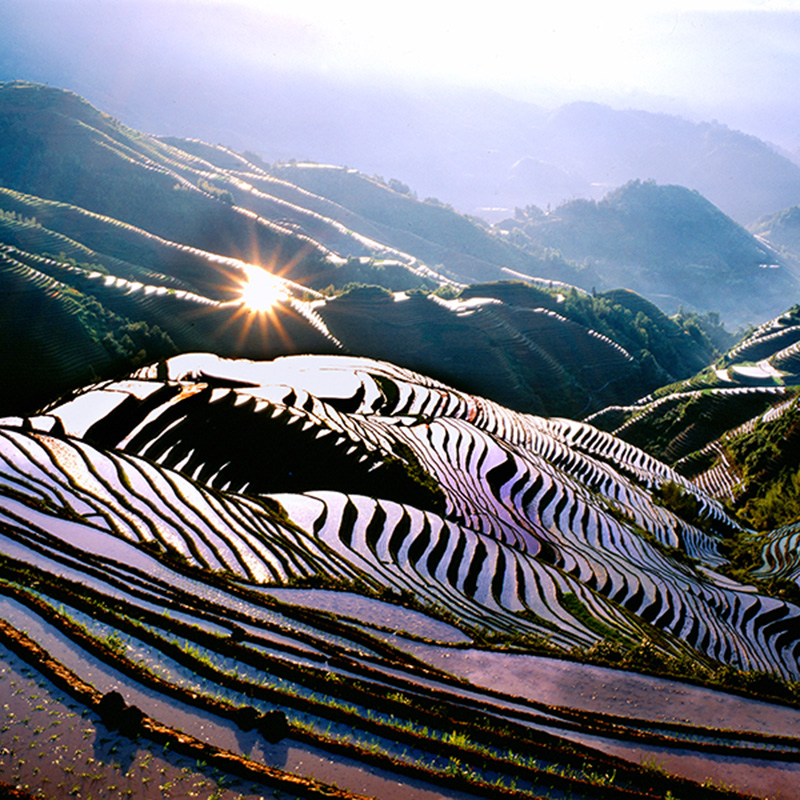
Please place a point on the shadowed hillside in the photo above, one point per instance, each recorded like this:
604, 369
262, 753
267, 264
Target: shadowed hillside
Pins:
56, 146
141, 249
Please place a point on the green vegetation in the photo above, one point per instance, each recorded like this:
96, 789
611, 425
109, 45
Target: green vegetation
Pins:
665, 242
215, 191
393, 276
644, 656
683, 504
763, 458
576, 608
130, 344
71, 337
666, 348
707, 329
687, 421
773, 503
766, 459
430, 231
782, 229
536, 350
768, 496
744, 553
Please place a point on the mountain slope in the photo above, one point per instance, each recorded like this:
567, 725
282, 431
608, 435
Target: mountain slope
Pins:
158, 556
526, 513
760, 371
72, 153
669, 244
144, 285
58, 147
731, 428
782, 232
535, 349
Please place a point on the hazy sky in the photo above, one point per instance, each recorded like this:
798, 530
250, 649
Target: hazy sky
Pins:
739, 57
681, 49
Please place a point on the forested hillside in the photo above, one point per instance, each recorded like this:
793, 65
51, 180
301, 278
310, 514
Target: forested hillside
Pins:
669, 244
733, 429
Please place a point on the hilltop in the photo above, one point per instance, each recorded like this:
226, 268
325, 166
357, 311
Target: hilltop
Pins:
782, 231
669, 244
139, 248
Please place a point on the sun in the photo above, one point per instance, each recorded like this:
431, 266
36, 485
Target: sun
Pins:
261, 290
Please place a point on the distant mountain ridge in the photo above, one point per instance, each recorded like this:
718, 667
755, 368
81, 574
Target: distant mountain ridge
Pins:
238, 206
75, 154
742, 175
141, 249
670, 244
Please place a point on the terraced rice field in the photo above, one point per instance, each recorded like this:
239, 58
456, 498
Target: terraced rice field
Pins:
300, 572
691, 423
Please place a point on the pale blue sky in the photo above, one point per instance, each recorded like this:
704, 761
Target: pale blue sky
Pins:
697, 51
738, 60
